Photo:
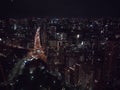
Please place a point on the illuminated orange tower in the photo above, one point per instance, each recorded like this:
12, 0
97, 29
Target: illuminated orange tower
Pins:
37, 51
37, 43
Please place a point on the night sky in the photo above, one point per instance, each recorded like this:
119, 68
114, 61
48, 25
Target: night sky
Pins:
56, 8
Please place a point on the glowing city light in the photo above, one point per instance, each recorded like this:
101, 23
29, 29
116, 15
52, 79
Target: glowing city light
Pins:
0, 39
78, 36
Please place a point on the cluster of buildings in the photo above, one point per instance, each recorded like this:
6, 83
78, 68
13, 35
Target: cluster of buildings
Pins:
84, 50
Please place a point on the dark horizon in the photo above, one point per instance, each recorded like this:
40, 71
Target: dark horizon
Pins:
55, 8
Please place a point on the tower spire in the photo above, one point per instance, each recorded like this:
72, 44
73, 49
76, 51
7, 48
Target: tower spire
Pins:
37, 43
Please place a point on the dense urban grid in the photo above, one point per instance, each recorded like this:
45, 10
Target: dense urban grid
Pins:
82, 53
